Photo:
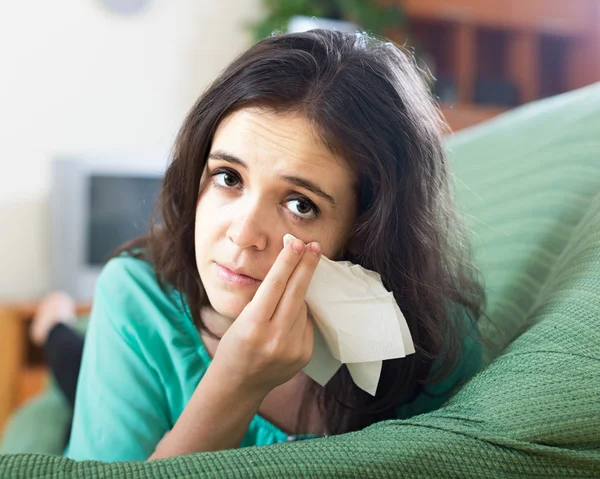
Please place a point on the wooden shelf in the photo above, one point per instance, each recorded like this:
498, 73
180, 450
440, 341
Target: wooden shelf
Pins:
24, 310
501, 52
461, 116
31, 381
562, 17
23, 373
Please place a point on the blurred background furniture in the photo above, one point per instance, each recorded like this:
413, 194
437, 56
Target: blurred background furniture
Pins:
498, 54
487, 56
529, 184
23, 373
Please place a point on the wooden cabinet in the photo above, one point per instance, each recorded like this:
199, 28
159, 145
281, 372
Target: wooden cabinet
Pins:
492, 55
567, 17
461, 116
23, 372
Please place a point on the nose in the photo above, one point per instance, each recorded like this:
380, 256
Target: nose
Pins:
249, 228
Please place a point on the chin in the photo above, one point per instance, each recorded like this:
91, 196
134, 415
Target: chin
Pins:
228, 305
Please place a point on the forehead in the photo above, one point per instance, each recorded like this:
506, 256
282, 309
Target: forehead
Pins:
282, 142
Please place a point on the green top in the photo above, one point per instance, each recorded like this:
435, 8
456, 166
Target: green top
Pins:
142, 361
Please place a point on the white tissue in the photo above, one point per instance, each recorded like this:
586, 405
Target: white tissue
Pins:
358, 323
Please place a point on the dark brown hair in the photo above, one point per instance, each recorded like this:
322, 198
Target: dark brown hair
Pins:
369, 104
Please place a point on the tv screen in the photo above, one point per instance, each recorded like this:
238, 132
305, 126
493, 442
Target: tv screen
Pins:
119, 210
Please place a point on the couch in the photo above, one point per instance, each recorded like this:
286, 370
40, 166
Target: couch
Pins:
529, 185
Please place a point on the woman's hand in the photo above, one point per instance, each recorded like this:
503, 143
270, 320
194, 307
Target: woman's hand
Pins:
266, 346
272, 339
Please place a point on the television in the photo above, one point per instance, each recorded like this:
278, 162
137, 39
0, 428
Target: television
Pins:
97, 204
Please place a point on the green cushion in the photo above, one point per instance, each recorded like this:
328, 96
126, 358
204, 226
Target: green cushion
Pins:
529, 183
40, 425
524, 181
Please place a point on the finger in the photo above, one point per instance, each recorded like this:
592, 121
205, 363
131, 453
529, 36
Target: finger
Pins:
304, 322
271, 290
302, 334
294, 295
309, 335
299, 324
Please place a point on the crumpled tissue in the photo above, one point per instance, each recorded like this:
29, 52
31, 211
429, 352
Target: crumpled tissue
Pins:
358, 323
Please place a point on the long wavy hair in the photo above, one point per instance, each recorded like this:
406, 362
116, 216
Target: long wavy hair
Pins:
368, 102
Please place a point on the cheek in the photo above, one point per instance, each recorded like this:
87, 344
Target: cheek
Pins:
333, 239
332, 248
338, 241
205, 226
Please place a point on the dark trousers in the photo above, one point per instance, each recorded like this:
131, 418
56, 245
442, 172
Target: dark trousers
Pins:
63, 351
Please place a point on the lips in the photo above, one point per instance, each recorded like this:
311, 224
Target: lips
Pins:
235, 276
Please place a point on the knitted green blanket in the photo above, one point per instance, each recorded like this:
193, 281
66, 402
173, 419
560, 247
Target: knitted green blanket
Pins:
534, 412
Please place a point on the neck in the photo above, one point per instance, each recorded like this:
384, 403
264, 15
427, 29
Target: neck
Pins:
215, 323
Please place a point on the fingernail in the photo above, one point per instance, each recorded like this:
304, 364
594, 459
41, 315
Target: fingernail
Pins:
297, 246
288, 238
315, 248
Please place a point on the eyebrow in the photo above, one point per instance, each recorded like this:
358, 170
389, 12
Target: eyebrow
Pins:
295, 180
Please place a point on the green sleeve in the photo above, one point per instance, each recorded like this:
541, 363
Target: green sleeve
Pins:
120, 410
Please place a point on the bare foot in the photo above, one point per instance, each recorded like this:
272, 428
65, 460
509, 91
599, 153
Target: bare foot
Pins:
57, 307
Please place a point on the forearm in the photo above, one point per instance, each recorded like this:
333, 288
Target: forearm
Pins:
217, 417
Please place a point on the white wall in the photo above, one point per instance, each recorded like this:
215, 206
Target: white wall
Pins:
75, 77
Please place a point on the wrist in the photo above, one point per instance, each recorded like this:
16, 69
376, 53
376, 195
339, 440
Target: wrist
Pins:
230, 386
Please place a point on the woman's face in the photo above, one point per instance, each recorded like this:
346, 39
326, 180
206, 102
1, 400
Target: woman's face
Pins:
267, 174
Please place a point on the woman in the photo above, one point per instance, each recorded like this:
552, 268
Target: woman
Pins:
200, 329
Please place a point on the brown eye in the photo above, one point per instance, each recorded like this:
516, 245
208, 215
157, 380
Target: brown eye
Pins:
226, 179
302, 208
229, 180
